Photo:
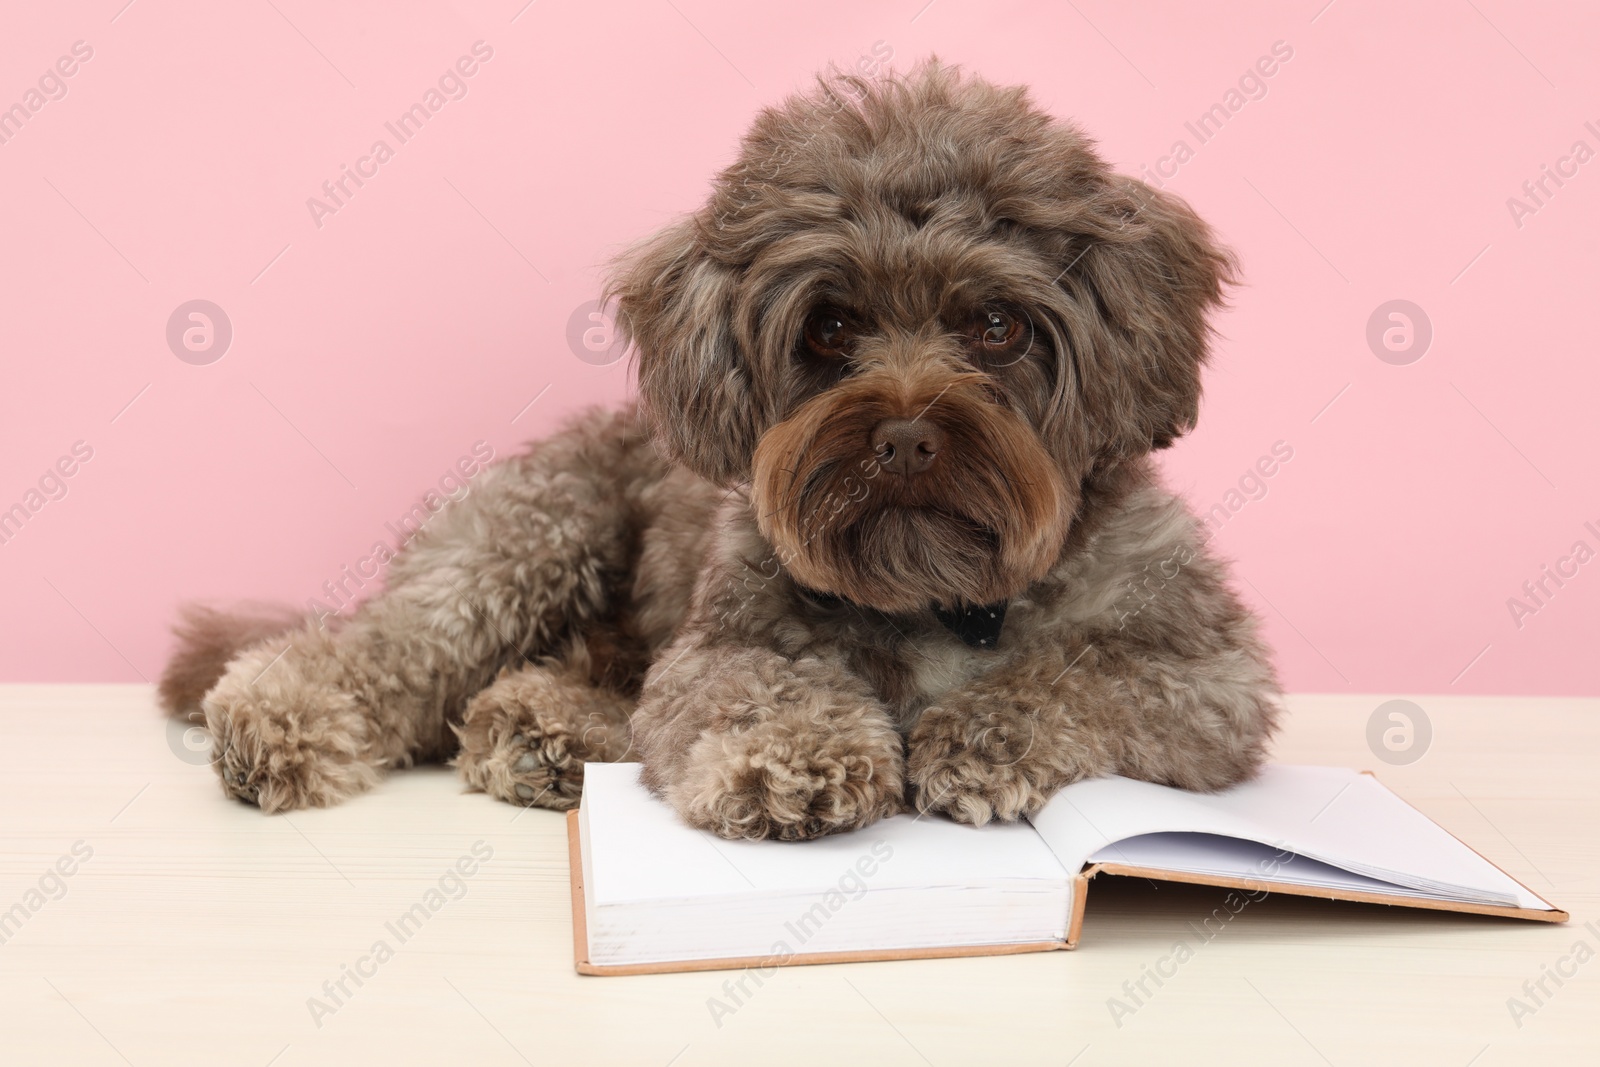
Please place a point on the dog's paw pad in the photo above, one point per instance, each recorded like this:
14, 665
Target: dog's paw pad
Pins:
526, 738
526, 768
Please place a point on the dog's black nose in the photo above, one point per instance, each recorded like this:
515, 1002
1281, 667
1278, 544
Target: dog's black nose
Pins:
906, 446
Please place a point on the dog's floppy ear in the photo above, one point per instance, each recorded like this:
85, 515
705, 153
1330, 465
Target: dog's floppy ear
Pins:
675, 304
1152, 272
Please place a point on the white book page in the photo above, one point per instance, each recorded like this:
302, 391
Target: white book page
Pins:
1332, 815
1230, 857
638, 849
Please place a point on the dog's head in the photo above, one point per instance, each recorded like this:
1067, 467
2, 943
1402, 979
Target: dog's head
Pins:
915, 316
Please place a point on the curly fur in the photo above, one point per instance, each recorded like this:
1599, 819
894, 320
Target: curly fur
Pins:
743, 595
207, 640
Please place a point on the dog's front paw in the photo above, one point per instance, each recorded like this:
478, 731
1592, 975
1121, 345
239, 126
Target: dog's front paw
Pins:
283, 739
776, 781
978, 766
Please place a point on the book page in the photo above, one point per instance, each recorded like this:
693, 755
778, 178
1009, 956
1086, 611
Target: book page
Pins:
638, 849
657, 891
1332, 815
1231, 857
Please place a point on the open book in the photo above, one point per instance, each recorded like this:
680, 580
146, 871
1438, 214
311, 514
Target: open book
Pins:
649, 893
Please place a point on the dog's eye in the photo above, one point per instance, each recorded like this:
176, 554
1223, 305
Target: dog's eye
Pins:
995, 328
828, 333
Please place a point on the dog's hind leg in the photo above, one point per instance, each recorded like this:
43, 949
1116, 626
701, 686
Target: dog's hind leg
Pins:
533, 553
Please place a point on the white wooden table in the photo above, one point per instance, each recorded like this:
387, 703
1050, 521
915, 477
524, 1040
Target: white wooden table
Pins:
200, 931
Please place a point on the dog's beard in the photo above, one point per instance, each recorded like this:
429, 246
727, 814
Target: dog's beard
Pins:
978, 526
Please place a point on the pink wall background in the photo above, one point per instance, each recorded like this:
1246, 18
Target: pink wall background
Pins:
369, 354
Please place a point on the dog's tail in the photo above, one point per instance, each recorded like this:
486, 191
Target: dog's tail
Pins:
208, 640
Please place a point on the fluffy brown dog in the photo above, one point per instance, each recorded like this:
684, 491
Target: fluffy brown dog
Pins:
895, 537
